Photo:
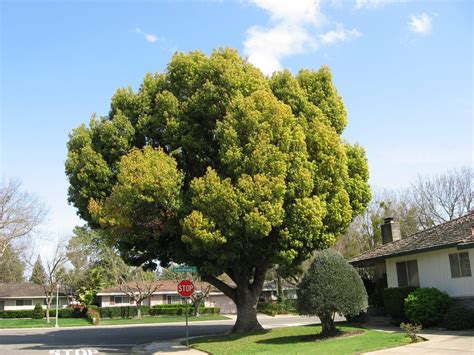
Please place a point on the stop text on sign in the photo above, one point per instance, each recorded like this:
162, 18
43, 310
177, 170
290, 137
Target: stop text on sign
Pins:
185, 288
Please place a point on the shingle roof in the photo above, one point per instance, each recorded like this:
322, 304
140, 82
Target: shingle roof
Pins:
164, 286
21, 290
455, 233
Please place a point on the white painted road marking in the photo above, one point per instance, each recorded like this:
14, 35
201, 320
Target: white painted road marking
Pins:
73, 352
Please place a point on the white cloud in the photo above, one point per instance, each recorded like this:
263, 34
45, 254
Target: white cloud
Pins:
148, 36
339, 35
421, 24
372, 4
293, 29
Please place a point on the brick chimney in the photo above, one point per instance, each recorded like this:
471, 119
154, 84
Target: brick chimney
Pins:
390, 230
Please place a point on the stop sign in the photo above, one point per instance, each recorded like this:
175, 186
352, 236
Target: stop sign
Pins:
185, 288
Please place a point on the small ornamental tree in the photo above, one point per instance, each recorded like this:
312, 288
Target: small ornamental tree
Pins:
38, 312
212, 164
331, 285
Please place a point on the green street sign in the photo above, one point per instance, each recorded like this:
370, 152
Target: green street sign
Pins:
185, 269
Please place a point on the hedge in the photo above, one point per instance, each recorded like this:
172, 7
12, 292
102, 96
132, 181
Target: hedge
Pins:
458, 317
122, 312
165, 309
426, 306
62, 313
394, 299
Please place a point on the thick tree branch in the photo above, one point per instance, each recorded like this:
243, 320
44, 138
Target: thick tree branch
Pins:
221, 285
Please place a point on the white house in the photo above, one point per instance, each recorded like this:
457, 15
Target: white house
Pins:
439, 257
25, 296
166, 294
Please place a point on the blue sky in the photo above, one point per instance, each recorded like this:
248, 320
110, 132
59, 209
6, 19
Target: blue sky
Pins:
403, 68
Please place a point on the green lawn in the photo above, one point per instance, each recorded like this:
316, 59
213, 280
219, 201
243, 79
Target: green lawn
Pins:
77, 322
298, 340
41, 323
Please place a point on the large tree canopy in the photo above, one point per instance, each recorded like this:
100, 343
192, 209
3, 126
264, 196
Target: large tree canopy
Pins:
213, 164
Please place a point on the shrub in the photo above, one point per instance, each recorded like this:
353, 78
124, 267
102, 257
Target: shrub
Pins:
426, 306
411, 331
331, 285
121, 312
38, 312
458, 317
17, 314
394, 300
274, 308
93, 316
180, 309
356, 318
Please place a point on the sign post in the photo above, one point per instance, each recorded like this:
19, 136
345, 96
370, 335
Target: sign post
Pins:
186, 289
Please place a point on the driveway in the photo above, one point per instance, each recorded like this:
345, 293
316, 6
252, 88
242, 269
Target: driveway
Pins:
439, 343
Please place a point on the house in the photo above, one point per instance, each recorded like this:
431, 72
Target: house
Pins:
25, 296
166, 294
270, 291
439, 257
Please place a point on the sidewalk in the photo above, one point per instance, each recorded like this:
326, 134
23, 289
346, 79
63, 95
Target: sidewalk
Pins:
440, 342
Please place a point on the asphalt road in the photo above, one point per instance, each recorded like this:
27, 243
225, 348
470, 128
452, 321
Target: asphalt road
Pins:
116, 339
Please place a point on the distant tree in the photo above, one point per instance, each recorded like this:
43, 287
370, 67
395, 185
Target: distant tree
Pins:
139, 286
215, 165
443, 197
38, 275
12, 266
20, 214
331, 285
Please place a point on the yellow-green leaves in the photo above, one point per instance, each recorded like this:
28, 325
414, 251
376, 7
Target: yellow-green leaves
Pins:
145, 197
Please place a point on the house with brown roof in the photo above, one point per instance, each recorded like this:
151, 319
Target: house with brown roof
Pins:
166, 294
439, 257
25, 296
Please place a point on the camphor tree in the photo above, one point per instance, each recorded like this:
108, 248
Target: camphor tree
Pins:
215, 165
331, 285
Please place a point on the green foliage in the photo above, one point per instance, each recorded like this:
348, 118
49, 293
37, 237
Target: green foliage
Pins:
165, 309
458, 317
11, 266
426, 306
38, 312
62, 313
394, 301
212, 134
274, 308
331, 285
38, 275
411, 330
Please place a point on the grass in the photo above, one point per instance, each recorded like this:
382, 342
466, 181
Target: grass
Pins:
41, 323
299, 340
78, 322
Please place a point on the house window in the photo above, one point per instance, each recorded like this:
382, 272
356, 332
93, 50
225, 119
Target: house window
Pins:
121, 300
24, 302
460, 265
175, 299
407, 273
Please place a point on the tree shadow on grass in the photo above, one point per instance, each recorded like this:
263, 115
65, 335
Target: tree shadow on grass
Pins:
227, 338
309, 338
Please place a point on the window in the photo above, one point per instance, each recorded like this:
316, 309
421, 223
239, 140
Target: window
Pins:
24, 302
175, 299
460, 265
121, 300
407, 273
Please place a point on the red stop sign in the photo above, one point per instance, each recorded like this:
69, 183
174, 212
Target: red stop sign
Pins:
185, 288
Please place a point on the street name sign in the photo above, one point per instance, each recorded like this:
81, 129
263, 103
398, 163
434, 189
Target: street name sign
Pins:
185, 269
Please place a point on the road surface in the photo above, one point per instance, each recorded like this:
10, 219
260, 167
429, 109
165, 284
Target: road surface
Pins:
126, 339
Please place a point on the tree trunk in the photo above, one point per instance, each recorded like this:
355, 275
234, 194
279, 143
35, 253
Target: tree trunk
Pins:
281, 296
328, 327
139, 309
247, 316
197, 303
48, 307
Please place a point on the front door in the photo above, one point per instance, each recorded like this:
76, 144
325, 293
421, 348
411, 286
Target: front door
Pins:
2, 305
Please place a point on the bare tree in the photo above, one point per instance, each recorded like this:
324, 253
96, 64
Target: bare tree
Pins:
55, 273
443, 197
198, 296
142, 285
20, 214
